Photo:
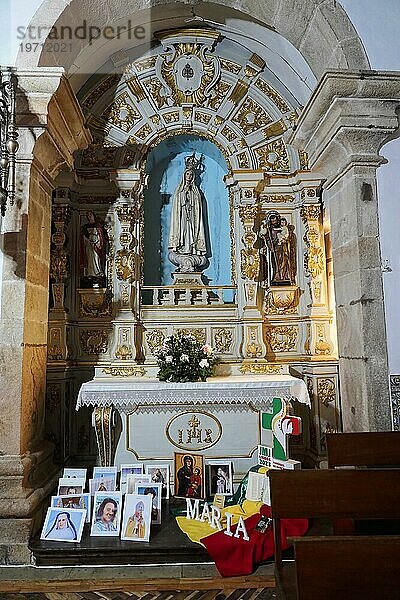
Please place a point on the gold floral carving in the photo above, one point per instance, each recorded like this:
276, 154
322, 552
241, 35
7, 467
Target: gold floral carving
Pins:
310, 212
250, 263
250, 71
155, 339
271, 93
146, 64
223, 340
59, 266
202, 117
121, 114
218, 94
126, 213
199, 334
316, 290
228, 133
247, 213
303, 156
281, 301
259, 368
276, 198
155, 90
143, 132
124, 352
253, 347
243, 160
58, 293
230, 66
326, 391
283, 338
315, 261
59, 261
125, 264
322, 346
125, 371
94, 303
93, 341
197, 96
171, 117
274, 156
251, 117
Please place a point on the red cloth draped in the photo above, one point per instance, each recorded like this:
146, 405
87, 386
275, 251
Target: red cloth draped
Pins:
234, 556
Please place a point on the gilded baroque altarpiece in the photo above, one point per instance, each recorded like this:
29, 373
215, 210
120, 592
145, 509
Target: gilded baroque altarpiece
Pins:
278, 311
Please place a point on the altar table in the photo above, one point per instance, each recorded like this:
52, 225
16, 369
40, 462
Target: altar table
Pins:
146, 420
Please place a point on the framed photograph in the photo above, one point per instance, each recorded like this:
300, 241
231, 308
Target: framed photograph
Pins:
189, 475
159, 474
154, 490
220, 477
63, 525
104, 479
82, 501
132, 480
133, 469
106, 518
137, 518
70, 487
73, 473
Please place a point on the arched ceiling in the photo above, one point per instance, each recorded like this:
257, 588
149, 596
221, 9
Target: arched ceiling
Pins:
236, 101
318, 29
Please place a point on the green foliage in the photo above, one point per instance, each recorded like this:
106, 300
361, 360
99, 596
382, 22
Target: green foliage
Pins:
182, 358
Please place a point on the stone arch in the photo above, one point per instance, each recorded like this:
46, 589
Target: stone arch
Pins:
303, 26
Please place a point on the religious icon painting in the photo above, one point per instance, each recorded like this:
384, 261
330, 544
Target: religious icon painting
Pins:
106, 517
136, 521
134, 480
63, 525
154, 490
160, 474
220, 477
70, 487
104, 479
79, 501
189, 475
73, 473
133, 469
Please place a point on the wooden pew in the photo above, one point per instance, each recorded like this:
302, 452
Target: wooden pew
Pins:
364, 449
330, 494
347, 568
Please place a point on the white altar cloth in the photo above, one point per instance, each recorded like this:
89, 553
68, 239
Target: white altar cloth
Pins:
233, 391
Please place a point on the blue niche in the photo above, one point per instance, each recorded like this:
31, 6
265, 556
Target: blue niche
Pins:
165, 166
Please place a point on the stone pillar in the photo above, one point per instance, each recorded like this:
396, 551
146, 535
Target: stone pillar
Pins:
342, 128
51, 128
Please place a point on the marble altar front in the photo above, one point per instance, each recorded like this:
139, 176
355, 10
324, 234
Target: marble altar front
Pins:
148, 420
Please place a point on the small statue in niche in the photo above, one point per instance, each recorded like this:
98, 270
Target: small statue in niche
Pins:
187, 234
93, 252
278, 256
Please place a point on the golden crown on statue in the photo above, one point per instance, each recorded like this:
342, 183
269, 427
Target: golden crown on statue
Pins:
192, 163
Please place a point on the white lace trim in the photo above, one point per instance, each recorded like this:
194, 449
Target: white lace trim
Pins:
159, 396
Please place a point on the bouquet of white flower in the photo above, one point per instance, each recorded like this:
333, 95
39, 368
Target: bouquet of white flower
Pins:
182, 358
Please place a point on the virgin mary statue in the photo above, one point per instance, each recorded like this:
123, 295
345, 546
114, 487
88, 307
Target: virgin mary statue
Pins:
187, 229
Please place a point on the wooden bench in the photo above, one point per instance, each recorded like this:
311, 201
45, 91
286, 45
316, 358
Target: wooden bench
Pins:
333, 495
349, 567
364, 449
